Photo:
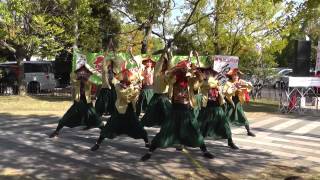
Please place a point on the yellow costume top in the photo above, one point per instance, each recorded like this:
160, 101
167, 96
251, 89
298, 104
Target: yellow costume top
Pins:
76, 88
161, 80
118, 65
206, 86
193, 85
126, 95
230, 90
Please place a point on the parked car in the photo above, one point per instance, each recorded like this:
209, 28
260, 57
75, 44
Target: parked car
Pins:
38, 75
8, 81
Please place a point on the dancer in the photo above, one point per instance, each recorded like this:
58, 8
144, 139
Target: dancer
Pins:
107, 95
124, 119
212, 118
234, 92
159, 107
147, 88
181, 128
81, 113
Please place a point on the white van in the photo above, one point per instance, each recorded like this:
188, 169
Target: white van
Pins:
38, 75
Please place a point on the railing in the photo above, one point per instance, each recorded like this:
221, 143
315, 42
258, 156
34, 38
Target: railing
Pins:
302, 96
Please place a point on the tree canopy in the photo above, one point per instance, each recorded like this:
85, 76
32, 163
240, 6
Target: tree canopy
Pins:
261, 33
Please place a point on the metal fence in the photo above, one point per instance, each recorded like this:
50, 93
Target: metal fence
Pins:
305, 100
274, 94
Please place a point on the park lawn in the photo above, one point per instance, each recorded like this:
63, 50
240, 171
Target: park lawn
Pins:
51, 105
27, 105
275, 171
260, 108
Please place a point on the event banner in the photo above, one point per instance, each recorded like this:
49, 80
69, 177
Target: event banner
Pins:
222, 64
94, 61
225, 63
304, 82
317, 68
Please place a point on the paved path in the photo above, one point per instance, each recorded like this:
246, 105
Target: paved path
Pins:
25, 149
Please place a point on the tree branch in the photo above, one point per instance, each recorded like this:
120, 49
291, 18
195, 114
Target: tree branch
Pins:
6, 45
200, 19
163, 20
158, 34
124, 13
186, 23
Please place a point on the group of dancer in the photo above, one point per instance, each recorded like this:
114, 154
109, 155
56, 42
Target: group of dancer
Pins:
185, 100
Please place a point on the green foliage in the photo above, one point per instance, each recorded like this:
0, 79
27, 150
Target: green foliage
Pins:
306, 22
241, 25
234, 27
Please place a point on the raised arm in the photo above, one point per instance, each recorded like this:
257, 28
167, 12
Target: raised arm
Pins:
133, 59
105, 74
197, 58
158, 67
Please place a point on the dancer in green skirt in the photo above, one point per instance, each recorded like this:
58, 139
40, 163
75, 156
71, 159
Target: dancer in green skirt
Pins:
181, 128
159, 107
147, 88
212, 118
81, 113
124, 120
234, 93
107, 95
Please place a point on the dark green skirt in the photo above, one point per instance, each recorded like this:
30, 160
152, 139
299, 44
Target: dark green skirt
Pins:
127, 123
157, 112
80, 114
236, 115
213, 122
196, 110
181, 129
144, 100
104, 102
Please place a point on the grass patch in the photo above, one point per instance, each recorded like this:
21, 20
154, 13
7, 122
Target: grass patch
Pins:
21, 105
25, 105
262, 105
274, 171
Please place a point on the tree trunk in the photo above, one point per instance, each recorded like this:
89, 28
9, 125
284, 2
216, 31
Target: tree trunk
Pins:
74, 5
145, 41
216, 28
21, 81
28, 58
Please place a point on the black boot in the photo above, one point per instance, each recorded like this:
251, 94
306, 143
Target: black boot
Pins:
97, 145
54, 134
249, 133
179, 148
206, 154
147, 145
146, 142
86, 128
231, 144
146, 157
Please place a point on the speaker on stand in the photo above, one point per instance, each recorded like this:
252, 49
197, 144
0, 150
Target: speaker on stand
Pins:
302, 58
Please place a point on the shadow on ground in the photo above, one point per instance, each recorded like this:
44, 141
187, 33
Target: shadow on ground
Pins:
25, 146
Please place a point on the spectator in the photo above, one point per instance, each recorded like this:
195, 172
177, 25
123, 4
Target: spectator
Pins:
317, 74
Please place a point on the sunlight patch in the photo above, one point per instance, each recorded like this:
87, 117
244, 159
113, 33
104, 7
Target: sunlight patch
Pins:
11, 172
